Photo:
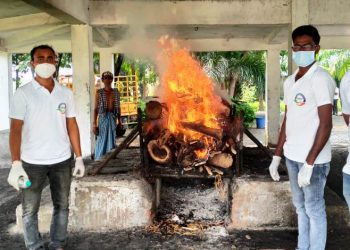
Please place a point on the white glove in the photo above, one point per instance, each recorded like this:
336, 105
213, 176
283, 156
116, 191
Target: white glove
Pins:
304, 175
274, 168
79, 168
15, 173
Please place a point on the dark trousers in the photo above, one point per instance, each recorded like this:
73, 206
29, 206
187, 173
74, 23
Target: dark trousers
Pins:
59, 176
335, 106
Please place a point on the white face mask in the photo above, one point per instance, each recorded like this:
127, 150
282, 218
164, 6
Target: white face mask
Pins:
45, 70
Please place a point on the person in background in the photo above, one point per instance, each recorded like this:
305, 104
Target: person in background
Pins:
304, 137
106, 116
335, 101
345, 101
43, 130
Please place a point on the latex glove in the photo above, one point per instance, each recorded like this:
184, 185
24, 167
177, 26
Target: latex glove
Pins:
274, 167
79, 169
15, 173
304, 175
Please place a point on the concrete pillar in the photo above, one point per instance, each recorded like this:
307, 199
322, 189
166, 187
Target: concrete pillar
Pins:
273, 78
300, 16
5, 89
83, 82
106, 60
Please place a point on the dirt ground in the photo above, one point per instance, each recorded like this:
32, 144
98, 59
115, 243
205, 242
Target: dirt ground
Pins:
211, 237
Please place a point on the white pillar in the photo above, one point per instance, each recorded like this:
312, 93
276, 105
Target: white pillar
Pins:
106, 60
273, 78
300, 16
5, 89
83, 82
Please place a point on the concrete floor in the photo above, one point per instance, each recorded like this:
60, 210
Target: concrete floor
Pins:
140, 238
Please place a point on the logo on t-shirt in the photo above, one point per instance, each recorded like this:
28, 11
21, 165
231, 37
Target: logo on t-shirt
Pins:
62, 108
299, 99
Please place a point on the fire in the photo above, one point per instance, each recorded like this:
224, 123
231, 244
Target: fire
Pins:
190, 97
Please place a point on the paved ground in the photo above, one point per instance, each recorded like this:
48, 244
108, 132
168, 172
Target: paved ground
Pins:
139, 238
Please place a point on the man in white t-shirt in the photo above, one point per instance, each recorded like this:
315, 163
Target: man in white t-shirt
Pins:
43, 129
304, 137
345, 101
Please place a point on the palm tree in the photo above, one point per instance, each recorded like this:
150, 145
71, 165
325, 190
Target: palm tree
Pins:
336, 62
233, 69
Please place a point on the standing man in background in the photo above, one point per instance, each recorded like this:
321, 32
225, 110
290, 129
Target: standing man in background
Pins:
304, 138
335, 101
43, 129
345, 101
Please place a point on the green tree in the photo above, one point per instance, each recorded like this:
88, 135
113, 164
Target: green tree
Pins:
336, 62
234, 69
20, 63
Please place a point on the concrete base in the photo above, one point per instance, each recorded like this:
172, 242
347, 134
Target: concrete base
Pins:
259, 203
102, 203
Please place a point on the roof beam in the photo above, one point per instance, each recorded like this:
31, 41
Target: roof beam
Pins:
27, 21
199, 45
190, 12
270, 38
104, 36
27, 36
2, 46
72, 12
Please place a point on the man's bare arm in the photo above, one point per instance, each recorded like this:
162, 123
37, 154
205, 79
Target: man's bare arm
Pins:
15, 139
322, 134
74, 136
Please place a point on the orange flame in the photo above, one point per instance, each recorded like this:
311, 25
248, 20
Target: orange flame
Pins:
189, 95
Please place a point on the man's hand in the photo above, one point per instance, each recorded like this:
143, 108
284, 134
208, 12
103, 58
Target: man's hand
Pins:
304, 175
274, 167
79, 169
15, 173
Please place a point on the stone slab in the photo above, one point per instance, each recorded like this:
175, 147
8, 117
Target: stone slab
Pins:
101, 203
259, 203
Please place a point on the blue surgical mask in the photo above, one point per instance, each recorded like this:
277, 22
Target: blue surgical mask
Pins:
304, 58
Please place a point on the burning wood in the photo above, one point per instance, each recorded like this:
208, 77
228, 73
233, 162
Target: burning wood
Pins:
191, 128
223, 160
154, 110
159, 153
216, 133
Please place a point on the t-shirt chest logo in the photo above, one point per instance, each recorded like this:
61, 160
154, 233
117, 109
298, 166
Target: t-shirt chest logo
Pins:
62, 108
299, 99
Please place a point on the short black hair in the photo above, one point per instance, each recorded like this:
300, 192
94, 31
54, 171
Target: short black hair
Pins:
308, 30
43, 46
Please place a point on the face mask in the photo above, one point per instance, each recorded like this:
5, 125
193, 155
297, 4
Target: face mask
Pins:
45, 70
304, 58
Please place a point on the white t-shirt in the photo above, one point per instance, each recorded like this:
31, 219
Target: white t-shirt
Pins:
314, 89
345, 102
44, 133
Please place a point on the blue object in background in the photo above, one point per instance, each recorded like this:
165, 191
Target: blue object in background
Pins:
260, 122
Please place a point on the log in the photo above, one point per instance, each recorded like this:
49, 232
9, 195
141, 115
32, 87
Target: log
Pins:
223, 160
208, 170
159, 153
153, 110
130, 137
212, 132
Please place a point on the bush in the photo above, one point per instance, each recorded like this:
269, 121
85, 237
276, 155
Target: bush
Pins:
243, 108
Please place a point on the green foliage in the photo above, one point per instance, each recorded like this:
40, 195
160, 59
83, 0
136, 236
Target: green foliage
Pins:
244, 109
234, 69
143, 69
284, 62
248, 93
20, 62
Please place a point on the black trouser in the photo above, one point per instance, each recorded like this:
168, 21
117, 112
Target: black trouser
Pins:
335, 106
